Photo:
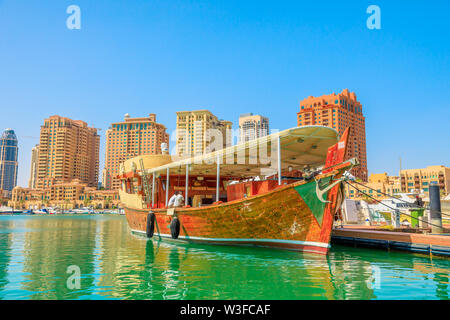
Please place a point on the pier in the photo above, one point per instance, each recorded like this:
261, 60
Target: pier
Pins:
404, 239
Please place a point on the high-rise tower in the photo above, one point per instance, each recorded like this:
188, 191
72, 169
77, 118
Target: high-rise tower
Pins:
252, 127
130, 138
8, 161
339, 111
68, 150
34, 167
198, 130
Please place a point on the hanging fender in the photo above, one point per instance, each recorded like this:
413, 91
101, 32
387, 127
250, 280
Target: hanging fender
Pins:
175, 228
150, 224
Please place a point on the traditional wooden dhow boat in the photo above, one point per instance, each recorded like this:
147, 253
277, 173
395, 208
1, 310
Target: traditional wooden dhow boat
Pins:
235, 196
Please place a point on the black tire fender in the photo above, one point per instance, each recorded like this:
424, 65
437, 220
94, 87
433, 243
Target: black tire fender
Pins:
175, 228
150, 224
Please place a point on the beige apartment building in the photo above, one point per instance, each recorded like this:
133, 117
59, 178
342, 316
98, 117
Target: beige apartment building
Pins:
68, 150
70, 195
252, 127
418, 180
32, 183
197, 131
130, 138
378, 186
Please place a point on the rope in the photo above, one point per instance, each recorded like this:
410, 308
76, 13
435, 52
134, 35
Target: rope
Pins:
393, 208
388, 195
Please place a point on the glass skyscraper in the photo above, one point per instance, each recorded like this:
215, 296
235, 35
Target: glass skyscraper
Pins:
8, 160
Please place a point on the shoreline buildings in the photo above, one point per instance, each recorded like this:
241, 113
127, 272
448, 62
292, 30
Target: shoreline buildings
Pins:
130, 138
64, 168
339, 111
415, 181
198, 130
418, 180
65, 195
68, 150
378, 185
8, 161
252, 127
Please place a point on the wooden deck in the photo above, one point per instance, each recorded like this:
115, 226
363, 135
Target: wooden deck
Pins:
406, 241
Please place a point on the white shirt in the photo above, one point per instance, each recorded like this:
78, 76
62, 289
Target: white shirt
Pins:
172, 200
179, 201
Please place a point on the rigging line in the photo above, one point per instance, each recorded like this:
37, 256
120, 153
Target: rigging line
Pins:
385, 194
394, 208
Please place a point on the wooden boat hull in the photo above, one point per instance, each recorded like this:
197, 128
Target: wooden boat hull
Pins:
289, 217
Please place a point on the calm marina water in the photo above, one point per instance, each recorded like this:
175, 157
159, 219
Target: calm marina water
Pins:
35, 252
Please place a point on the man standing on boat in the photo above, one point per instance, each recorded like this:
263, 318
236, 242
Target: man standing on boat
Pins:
177, 200
172, 199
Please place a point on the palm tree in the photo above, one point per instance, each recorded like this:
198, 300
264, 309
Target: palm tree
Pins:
86, 201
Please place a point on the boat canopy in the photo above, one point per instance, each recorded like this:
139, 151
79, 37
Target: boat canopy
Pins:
299, 147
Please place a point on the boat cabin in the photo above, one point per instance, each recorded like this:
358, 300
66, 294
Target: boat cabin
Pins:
245, 170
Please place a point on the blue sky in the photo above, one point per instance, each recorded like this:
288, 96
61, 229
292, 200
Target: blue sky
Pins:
230, 57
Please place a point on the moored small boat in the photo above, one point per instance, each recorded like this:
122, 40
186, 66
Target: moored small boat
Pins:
41, 211
9, 210
83, 211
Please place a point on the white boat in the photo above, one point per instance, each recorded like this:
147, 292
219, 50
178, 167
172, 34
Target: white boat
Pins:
9, 210
56, 210
41, 211
84, 210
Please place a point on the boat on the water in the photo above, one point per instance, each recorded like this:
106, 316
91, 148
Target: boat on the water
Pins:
234, 196
41, 211
83, 210
9, 210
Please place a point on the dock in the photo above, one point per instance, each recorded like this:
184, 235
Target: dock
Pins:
404, 240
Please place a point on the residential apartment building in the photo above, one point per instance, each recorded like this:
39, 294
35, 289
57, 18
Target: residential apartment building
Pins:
130, 138
252, 127
198, 130
380, 186
8, 161
68, 150
66, 195
418, 180
32, 183
339, 111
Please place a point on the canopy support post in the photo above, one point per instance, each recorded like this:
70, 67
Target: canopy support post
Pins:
218, 178
153, 190
187, 186
279, 160
167, 187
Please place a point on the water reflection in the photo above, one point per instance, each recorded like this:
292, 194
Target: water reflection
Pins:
36, 251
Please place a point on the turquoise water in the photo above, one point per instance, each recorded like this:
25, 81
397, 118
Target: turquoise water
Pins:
36, 251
